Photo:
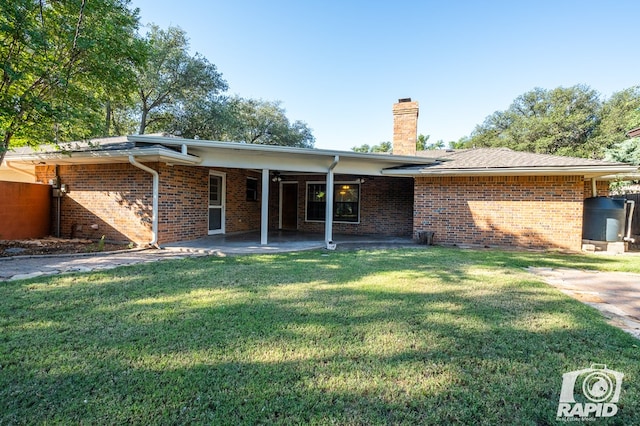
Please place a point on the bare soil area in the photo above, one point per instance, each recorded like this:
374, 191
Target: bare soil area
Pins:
51, 245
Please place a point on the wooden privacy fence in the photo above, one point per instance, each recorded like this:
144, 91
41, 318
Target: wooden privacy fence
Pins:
25, 210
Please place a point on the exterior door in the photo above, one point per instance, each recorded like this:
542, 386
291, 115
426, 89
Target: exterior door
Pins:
216, 203
289, 205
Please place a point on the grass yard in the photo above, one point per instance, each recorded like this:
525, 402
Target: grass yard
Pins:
428, 336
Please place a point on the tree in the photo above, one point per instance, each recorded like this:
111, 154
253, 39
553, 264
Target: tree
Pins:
560, 121
241, 120
209, 118
265, 123
619, 113
461, 143
423, 144
59, 60
171, 78
387, 147
382, 147
627, 151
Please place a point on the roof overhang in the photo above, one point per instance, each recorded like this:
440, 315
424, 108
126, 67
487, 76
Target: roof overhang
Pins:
588, 172
291, 159
150, 154
178, 151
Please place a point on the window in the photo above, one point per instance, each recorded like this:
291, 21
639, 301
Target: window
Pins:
252, 189
316, 201
346, 202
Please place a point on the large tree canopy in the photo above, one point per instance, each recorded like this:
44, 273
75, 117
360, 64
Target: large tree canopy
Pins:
627, 151
559, 121
60, 63
618, 115
171, 78
266, 123
241, 120
76, 69
566, 121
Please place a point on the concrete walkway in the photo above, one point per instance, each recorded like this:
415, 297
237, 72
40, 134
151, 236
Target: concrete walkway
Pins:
615, 294
23, 267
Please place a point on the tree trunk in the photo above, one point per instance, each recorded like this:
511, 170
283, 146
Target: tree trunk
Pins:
143, 122
5, 145
107, 121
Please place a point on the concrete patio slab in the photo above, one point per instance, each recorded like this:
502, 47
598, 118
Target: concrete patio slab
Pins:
615, 294
278, 242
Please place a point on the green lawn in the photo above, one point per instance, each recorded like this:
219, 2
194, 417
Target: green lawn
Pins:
430, 336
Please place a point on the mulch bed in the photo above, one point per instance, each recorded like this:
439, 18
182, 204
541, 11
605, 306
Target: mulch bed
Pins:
42, 246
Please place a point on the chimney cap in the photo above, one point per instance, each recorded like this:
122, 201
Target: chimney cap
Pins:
401, 100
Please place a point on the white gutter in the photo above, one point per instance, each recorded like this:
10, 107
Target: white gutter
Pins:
16, 169
328, 220
156, 185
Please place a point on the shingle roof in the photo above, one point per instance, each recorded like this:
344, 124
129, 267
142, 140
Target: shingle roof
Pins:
98, 144
483, 158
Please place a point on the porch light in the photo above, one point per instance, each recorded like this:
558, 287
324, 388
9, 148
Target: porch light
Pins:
276, 177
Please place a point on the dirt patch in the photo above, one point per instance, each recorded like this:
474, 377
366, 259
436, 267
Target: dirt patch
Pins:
44, 246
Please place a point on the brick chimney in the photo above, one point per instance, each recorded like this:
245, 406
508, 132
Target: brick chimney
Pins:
405, 127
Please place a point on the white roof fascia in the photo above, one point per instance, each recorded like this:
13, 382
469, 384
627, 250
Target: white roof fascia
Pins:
286, 150
587, 171
105, 156
292, 163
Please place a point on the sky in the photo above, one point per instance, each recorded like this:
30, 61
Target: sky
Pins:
339, 65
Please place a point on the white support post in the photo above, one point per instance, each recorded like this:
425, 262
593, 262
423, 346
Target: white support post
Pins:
264, 211
328, 220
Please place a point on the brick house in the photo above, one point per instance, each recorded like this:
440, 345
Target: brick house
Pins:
157, 189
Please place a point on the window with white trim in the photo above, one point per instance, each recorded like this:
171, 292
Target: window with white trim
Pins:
252, 189
346, 202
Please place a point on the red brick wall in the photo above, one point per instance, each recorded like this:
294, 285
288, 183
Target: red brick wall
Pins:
524, 211
115, 200
602, 187
26, 210
184, 201
386, 206
242, 215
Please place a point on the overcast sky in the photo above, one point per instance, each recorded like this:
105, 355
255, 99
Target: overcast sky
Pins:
339, 65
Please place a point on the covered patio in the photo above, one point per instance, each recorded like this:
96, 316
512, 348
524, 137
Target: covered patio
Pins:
281, 242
